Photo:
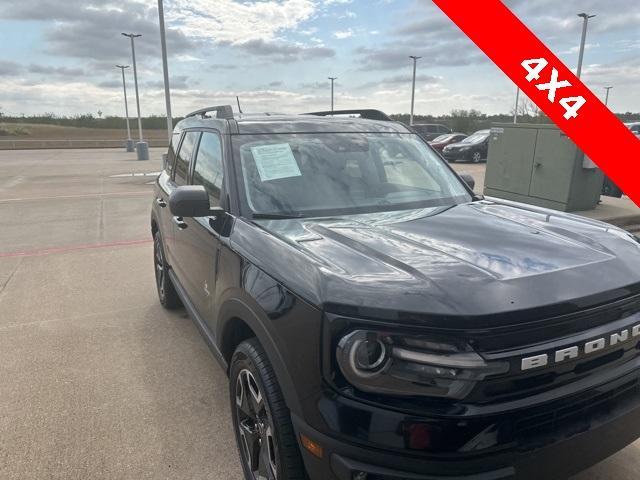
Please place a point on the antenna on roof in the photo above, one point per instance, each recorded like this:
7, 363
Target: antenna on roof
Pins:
238, 100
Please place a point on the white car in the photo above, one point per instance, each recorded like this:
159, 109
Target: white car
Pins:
634, 127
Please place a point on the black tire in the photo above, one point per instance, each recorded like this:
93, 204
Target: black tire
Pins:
166, 291
271, 429
476, 157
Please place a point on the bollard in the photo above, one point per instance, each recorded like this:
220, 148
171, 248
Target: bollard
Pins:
130, 146
143, 150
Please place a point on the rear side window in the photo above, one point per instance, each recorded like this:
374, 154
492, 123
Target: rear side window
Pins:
208, 170
184, 157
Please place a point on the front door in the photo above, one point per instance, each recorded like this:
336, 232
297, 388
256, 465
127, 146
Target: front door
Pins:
197, 240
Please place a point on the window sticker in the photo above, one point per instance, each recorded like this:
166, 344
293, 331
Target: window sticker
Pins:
275, 161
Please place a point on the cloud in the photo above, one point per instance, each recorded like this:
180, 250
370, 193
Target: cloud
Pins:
90, 29
9, 69
231, 22
56, 71
221, 66
284, 52
340, 35
179, 82
402, 79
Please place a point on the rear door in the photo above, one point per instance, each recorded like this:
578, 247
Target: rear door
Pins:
198, 240
179, 176
164, 186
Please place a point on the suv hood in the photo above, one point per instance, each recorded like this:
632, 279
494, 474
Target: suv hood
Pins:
480, 258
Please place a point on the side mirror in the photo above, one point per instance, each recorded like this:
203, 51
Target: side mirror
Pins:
191, 201
468, 179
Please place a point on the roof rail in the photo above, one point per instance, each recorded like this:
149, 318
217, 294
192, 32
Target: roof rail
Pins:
222, 111
369, 114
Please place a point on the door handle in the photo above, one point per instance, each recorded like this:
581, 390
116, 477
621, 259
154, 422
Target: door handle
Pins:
161, 203
179, 221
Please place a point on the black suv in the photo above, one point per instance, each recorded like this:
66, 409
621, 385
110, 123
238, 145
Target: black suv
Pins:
378, 320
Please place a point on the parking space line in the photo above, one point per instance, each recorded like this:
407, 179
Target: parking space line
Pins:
71, 248
86, 195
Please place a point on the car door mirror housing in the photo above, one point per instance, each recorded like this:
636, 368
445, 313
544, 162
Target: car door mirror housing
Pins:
191, 201
468, 179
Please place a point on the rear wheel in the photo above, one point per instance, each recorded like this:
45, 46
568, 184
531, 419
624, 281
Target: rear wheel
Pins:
166, 291
261, 419
476, 157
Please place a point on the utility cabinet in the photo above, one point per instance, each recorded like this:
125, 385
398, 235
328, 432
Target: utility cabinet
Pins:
540, 165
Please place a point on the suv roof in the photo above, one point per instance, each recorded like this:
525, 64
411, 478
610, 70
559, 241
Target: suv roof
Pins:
226, 121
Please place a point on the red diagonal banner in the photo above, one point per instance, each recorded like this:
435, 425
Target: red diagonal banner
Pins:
551, 86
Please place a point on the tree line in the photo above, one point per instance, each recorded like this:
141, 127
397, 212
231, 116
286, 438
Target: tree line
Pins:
466, 121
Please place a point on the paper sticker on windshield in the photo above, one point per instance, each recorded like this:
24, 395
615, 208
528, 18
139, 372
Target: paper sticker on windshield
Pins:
275, 161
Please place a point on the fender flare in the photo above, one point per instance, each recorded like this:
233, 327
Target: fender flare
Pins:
237, 308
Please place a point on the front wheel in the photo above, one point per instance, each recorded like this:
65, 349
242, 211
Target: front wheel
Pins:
262, 422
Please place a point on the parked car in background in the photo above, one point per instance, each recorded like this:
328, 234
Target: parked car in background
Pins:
443, 140
634, 127
472, 149
429, 131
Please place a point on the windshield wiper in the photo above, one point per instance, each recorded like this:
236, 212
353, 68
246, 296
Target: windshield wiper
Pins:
276, 216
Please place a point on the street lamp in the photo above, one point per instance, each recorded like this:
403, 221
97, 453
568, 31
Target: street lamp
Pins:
585, 23
142, 147
165, 69
126, 109
413, 86
332, 80
606, 99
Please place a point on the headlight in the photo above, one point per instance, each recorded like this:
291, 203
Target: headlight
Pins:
390, 364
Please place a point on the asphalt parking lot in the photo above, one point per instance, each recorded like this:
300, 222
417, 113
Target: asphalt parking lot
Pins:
97, 381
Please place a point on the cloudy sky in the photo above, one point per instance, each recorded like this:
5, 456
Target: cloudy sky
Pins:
59, 55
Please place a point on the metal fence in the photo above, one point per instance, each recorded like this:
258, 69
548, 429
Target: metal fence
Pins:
58, 144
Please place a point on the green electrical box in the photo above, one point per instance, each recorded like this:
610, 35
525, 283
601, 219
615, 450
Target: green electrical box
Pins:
540, 165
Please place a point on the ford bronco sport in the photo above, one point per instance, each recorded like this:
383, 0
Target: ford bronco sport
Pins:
378, 320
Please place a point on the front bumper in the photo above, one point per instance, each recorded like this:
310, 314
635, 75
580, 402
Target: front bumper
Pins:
551, 441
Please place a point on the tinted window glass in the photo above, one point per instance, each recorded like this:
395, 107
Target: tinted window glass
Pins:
208, 169
330, 174
171, 154
182, 162
443, 129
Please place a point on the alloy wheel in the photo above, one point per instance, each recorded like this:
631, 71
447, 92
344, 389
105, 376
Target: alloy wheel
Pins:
159, 264
255, 428
477, 157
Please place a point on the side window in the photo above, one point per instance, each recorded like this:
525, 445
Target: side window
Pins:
184, 157
443, 129
171, 154
208, 170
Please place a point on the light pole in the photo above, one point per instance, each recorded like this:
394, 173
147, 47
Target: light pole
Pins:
165, 69
515, 111
333, 79
585, 23
413, 86
606, 98
142, 147
126, 108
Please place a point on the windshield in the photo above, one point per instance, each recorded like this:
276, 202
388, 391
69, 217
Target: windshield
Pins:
342, 173
442, 138
476, 138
